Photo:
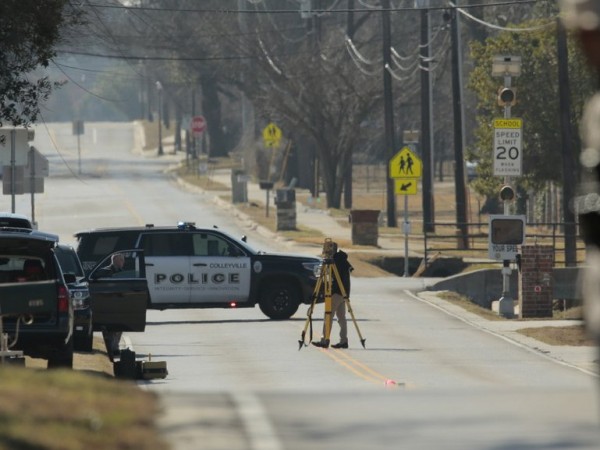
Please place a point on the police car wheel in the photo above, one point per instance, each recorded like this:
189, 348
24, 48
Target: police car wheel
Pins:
279, 301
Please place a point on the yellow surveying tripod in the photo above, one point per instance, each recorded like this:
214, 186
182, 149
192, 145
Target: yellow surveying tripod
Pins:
323, 290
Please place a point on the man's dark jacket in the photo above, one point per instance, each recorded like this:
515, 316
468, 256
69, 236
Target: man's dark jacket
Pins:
340, 259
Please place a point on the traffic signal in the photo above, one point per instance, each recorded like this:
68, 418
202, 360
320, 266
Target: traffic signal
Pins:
507, 193
507, 96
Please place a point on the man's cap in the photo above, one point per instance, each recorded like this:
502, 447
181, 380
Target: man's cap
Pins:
580, 14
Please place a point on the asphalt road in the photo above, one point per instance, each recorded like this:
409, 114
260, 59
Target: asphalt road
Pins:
239, 381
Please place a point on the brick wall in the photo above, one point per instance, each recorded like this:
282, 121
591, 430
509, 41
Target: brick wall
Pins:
365, 226
536, 281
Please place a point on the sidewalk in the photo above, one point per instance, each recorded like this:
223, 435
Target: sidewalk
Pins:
308, 217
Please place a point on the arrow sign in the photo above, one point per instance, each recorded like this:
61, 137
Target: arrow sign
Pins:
403, 186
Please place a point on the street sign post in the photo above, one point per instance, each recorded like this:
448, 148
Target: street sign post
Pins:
405, 168
198, 125
22, 184
21, 136
37, 164
508, 157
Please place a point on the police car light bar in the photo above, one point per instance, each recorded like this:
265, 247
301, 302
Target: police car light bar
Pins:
186, 225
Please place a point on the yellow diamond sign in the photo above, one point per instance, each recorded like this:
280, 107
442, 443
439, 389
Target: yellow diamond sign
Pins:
405, 164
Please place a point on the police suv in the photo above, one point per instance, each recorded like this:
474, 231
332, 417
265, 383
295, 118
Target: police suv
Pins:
189, 267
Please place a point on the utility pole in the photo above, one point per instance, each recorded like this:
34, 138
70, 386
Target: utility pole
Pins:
349, 168
569, 166
459, 169
388, 106
159, 89
426, 120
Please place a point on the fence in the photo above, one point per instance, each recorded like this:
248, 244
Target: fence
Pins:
448, 239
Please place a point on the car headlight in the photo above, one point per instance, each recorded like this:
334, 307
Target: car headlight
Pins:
314, 267
78, 303
79, 299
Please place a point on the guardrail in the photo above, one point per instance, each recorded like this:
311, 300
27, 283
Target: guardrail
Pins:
450, 239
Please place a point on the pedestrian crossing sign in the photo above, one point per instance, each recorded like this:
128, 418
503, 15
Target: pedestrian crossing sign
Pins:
405, 164
272, 135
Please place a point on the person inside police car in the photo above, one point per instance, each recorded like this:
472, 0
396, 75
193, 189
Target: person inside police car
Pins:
117, 261
338, 301
582, 17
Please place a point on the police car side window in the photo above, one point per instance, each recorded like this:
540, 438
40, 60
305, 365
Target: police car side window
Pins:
166, 244
205, 244
105, 245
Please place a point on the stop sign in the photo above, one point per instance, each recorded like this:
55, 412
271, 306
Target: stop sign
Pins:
198, 125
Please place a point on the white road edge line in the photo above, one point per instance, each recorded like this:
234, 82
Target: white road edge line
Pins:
501, 336
259, 429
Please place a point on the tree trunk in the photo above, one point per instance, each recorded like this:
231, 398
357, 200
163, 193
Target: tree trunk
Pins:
211, 107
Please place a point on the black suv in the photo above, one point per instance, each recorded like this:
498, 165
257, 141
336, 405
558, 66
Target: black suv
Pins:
80, 296
36, 310
189, 267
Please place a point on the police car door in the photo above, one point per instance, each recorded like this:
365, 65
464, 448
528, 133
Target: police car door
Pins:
167, 266
220, 268
119, 299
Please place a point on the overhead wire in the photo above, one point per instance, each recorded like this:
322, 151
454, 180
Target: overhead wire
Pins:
284, 37
269, 60
83, 88
61, 156
501, 28
357, 62
368, 8
109, 72
358, 55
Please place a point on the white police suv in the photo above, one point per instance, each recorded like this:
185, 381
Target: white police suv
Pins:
189, 267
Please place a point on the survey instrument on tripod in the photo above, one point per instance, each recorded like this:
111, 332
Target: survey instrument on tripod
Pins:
328, 278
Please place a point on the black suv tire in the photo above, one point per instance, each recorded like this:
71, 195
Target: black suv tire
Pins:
84, 343
62, 358
279, 300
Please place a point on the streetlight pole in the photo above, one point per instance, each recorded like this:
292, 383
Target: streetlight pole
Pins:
159, 88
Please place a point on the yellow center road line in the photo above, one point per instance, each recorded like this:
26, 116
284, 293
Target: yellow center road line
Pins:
133, 212
360, 369
128, 205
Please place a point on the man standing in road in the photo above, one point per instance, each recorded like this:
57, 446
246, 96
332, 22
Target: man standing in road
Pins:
583, 18
338, 301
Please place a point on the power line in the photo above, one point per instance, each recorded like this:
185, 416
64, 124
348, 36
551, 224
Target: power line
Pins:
313, 11
85, 89
156, 58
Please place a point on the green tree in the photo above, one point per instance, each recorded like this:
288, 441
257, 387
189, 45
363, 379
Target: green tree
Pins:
29, 31
537, 103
